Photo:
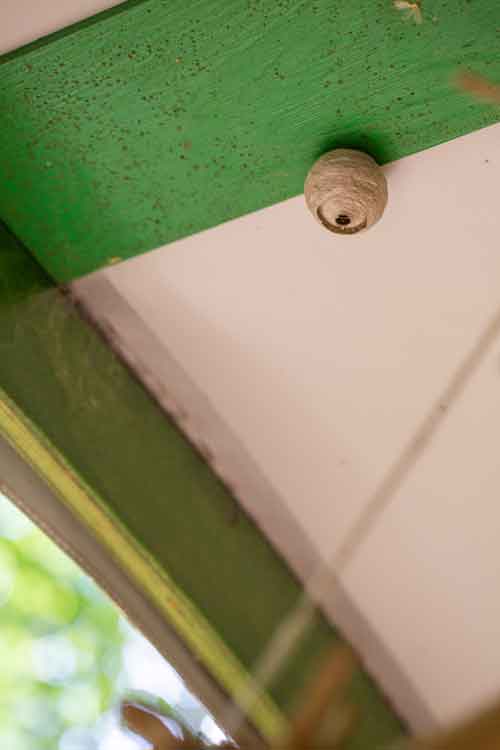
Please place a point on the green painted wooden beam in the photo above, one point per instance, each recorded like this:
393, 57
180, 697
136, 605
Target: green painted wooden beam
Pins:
78, 415
159, 119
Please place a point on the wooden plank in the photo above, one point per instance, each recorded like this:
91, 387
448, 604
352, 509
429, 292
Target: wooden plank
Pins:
157, 120
78, 415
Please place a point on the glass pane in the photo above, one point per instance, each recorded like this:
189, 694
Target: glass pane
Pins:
69, 657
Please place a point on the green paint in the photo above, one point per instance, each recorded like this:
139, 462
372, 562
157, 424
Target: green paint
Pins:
65, 380
160, 119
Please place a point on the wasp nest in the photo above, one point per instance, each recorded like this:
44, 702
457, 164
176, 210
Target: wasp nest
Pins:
346, 191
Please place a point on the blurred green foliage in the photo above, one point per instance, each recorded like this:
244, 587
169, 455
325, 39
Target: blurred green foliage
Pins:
61, 640
68, 656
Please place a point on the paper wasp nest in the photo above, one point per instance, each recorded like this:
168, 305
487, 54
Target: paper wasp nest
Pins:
346, 191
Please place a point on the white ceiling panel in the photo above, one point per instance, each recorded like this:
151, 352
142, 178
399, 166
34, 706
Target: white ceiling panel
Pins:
24, 21
347, 369
428, 575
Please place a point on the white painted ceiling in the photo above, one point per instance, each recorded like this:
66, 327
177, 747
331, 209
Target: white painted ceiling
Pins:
24, 21
325, 373
351, 370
